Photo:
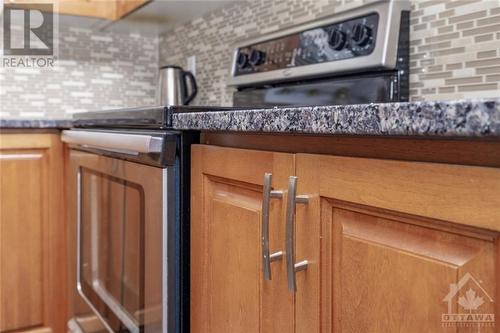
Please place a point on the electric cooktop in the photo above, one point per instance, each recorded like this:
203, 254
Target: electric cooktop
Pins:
155, 117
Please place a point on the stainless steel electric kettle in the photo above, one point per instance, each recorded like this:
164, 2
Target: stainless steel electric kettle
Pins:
173, 86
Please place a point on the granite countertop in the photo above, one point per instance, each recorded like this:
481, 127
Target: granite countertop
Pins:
35, 123
462, 118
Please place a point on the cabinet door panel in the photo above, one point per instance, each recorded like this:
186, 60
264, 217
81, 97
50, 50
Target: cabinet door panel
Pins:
234, 262
228, 290
380, 260
21, 243
32, 234
394, 275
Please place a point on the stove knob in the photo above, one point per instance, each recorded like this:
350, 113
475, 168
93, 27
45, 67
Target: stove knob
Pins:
337, 39
257, 57
361, 34
242, 60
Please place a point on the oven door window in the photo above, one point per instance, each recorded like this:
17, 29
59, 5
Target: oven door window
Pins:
120, 247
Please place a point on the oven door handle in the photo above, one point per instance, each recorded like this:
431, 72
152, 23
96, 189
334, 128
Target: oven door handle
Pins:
133, 143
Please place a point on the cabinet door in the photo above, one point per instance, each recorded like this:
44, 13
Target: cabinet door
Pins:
391, 247
32, 234
228, 290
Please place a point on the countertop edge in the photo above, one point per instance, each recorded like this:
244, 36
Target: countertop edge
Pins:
462, 118
35, 124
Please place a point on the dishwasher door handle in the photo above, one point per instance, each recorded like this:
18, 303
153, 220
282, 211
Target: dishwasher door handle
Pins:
133, 143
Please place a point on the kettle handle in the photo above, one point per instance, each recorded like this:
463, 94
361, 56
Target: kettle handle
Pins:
194, 87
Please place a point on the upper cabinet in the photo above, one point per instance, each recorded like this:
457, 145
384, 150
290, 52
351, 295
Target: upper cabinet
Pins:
109, 9
125, 7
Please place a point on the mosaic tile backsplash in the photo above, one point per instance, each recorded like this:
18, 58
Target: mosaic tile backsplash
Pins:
455, 44
455, 53
94, 70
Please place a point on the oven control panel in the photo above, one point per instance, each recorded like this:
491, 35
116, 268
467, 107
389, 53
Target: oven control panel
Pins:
347, 39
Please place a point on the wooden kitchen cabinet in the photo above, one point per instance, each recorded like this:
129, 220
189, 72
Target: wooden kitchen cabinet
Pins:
32, 234
386, 239
228, 290
104, 9
387, 243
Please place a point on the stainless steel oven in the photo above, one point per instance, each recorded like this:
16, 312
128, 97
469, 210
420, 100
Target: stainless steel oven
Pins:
358, 56
129, 235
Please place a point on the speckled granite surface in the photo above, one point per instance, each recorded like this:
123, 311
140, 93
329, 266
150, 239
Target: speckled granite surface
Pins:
464, 118
35, 123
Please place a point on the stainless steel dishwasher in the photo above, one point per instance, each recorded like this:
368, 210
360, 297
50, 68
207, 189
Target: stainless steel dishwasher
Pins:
129, 246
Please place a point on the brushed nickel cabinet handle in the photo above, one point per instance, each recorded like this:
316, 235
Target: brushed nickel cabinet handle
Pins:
266, 257
293, 200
